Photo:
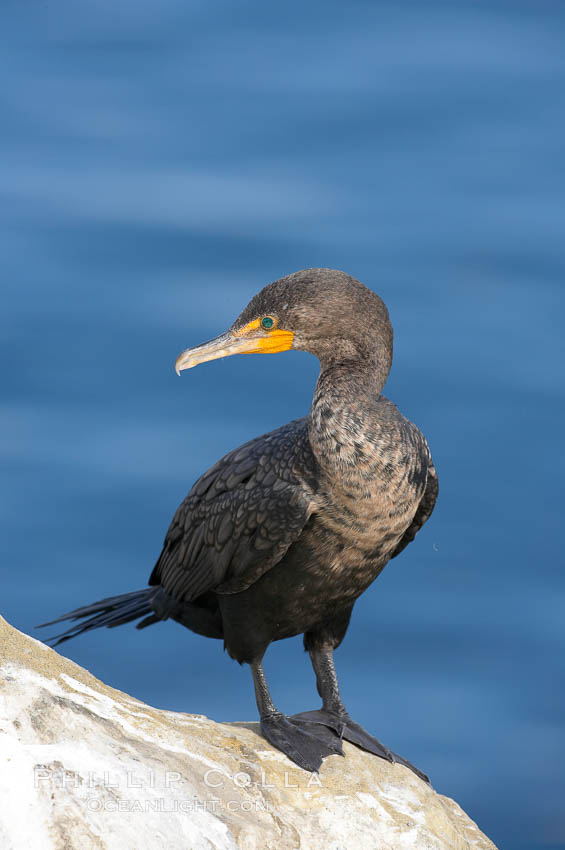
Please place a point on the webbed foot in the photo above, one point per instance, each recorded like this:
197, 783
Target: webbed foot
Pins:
343, 725
305, 748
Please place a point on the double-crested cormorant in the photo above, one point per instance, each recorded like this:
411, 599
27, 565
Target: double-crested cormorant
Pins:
283, 534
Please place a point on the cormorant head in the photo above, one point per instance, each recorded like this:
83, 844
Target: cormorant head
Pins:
323, 311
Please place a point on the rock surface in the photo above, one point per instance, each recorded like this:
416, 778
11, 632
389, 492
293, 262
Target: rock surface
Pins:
85, 766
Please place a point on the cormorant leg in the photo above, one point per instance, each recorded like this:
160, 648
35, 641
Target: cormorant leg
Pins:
304, 749
333, 712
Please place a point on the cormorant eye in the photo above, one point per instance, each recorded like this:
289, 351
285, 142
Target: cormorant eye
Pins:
267, 322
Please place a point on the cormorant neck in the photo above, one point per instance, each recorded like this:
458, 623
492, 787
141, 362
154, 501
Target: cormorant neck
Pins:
368, 361
343, 418
369, 371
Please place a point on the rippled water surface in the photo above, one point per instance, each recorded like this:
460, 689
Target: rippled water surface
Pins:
160, 162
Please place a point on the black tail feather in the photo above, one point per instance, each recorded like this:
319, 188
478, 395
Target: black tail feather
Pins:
109, 612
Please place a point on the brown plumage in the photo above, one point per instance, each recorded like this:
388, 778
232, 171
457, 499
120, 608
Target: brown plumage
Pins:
283, 534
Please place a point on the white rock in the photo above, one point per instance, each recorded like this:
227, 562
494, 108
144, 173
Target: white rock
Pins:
84, 766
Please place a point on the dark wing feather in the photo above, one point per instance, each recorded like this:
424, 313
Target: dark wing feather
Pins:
240, 517
424, 511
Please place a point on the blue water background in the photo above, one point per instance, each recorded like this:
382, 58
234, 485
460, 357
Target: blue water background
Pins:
159, 162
